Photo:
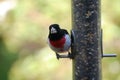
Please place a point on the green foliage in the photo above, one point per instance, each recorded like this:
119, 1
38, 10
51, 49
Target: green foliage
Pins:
6, 60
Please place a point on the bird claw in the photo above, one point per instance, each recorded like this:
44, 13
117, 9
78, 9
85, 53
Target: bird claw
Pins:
70, 55
64, 56
57, 56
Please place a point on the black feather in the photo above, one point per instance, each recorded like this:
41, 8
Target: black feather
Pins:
60, 33
64, 31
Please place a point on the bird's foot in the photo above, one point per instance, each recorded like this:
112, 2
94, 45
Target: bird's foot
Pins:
69, 55
57, 56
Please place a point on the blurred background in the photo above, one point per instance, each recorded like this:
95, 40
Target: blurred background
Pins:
24, 53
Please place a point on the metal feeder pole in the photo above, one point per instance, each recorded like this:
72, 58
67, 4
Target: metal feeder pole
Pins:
86, 46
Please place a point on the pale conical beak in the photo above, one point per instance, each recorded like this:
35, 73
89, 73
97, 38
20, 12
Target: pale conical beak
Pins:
53, 30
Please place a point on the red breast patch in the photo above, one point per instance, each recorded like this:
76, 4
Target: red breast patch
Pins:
59, 43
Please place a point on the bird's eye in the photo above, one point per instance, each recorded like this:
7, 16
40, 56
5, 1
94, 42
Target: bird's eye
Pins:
53, 30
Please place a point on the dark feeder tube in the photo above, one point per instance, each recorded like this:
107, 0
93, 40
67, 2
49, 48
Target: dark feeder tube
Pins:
86, 40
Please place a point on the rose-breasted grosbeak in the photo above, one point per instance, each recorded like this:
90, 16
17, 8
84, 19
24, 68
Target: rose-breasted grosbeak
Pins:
59, 41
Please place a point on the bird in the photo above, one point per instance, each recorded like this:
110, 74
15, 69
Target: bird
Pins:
59, 41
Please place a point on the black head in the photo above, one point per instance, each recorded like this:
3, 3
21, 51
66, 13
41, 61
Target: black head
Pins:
55, 33
54, 29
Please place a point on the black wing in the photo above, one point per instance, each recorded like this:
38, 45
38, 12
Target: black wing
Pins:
65, 31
